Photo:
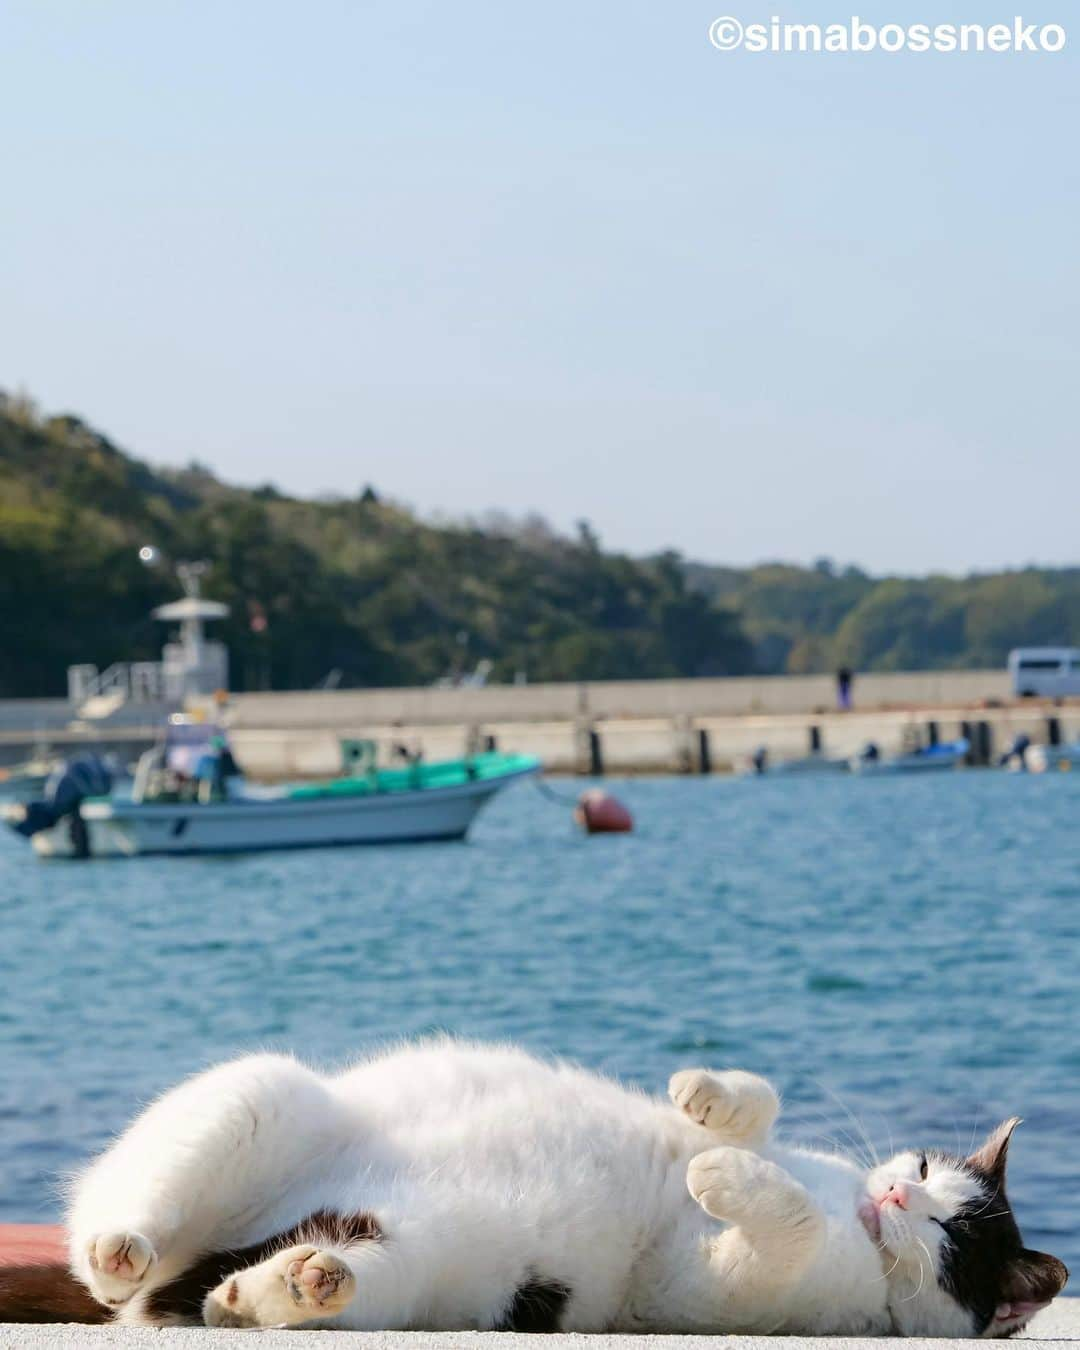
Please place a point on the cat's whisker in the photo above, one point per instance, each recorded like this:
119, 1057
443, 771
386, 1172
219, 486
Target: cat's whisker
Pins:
866, 1144
832, 1141
855, 1147
979, 1212
892, 1146
929, 1256
859, 1126
883, 1248
922, 1272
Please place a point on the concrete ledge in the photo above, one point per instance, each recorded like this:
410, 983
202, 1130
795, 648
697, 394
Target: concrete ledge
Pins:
1058, 1325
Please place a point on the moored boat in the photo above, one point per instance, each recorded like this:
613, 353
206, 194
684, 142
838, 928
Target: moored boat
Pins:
422, 801
760, 762
27, 779
1043, 758
812, 764
928, 758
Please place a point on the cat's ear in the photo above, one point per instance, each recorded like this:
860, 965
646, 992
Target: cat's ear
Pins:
990, 1157
1033, 1280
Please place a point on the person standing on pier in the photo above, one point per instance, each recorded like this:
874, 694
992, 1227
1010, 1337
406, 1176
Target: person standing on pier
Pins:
845, 679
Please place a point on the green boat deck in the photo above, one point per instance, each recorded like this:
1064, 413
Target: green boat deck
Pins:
442, 773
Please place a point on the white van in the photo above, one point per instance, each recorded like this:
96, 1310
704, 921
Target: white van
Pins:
1045, 672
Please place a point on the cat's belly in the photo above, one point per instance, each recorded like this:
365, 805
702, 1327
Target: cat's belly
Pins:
843, 1294
560, 1184
844, 1291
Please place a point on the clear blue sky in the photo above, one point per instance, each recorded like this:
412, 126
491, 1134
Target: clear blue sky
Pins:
562, 257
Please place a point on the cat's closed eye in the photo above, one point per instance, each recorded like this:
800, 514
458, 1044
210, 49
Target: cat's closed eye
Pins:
924, 1168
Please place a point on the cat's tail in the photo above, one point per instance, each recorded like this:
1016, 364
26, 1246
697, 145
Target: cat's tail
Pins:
46, 1294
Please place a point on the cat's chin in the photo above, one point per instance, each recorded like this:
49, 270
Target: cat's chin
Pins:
870, 1218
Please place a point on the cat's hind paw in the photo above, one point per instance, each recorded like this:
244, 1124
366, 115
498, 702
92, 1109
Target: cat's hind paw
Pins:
300, 1284
320, 1281
740, 1106
119, 1263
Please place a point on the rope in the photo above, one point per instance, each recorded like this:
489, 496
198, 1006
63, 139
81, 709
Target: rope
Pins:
549, 792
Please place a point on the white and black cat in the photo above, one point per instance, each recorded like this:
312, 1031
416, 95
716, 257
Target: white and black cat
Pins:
453, 1186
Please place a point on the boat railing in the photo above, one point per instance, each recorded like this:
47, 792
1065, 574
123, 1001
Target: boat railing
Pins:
139, 681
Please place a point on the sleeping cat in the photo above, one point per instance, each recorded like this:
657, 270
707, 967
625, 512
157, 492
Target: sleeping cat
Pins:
451, 1186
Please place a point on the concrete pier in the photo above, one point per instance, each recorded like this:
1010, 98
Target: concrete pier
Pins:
1059, 1325
612, 727
684, 743
643, 726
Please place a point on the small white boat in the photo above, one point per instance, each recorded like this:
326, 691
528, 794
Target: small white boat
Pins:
420, 802
759, 763
810, 764
1045, 758
28, 779
929, 758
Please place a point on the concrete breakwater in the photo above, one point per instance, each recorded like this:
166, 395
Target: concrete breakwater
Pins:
613, 727
661, 726
652, 745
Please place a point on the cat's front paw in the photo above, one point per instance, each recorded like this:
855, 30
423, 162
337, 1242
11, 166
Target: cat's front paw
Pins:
119, 1263
741, 1106
301, 1284
724, 1181
755, 1195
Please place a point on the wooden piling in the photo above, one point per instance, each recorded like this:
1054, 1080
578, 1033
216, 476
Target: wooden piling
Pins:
980, 738
596, 754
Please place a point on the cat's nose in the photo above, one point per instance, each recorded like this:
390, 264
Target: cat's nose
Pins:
897, 1194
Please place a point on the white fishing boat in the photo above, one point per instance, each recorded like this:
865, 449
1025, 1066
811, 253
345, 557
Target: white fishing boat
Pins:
927, 759
416, 803
188, 794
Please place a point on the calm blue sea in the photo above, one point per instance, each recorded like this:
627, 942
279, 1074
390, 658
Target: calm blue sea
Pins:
901, 956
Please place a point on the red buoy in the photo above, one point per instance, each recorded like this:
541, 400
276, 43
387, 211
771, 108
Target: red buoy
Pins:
597, 812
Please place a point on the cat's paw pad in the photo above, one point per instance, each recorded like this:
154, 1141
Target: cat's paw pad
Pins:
301, 1284
320, 1281
727, 1182
740, 1105
119, 1262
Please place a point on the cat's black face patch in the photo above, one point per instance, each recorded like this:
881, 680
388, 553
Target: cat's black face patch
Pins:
983, 1263
982, 1246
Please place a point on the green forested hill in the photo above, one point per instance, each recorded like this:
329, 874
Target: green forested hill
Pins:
354, 585
802, 620
364, 587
